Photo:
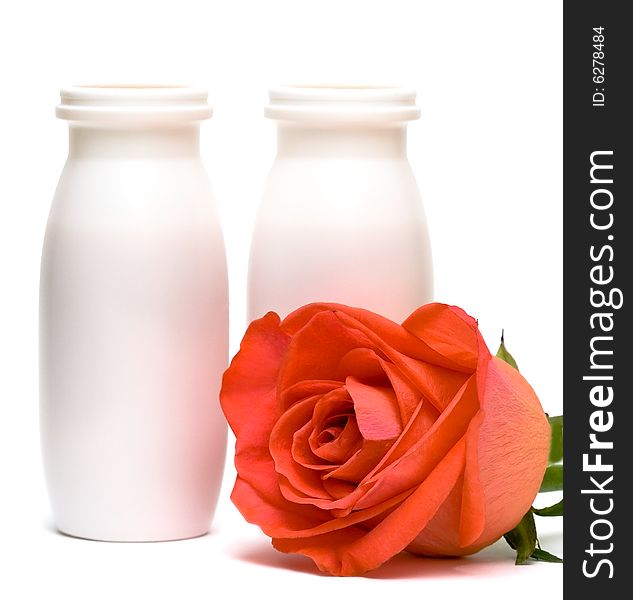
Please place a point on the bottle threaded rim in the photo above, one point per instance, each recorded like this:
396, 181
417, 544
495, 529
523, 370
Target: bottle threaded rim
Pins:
342, 104
133, 102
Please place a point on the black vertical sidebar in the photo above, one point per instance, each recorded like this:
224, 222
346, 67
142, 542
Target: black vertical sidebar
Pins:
598, 269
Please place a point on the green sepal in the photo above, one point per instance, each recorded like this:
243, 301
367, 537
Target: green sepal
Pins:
553, 479
556, 510
556, 443
523, 538
545, 556
503, 354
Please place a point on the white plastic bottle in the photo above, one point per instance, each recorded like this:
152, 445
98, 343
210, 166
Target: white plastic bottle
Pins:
133, 320
341, 218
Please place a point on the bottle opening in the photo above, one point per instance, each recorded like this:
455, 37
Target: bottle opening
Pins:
134, 86
361, 104
337, 86
133, 102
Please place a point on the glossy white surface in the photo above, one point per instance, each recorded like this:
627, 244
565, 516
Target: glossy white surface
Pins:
134, 326
341, 219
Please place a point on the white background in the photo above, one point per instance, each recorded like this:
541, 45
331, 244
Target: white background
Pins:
488, 156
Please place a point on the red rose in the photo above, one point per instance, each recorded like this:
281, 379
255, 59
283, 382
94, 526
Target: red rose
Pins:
358, 438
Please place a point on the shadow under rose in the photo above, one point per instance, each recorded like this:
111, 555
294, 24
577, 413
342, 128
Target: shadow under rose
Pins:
262, 553
410, 566
402, 566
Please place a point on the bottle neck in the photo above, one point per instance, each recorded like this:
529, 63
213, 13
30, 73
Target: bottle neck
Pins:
342, 142
91, 141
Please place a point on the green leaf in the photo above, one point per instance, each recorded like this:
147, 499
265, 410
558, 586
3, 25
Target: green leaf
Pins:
556, 444
503, 354
553, 479
545, 556
523, 538
555, 510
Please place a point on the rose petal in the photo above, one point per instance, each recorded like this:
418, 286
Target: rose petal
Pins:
441, 535
398, 472
304, 389
423, 418
272, 512
437, 383
336, 404
305, 480
363, 364
247, 398
337, 488
343, 504
353, 471
357, 467
340, 449
252, 378
514, 437
315, 351
473, 517
390, 333
349, 552
358, 516
376, 410
448, 330
320, 343
302, 452
409, 397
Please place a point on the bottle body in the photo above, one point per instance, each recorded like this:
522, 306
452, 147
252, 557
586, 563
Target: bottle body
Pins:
133, 338
341, 220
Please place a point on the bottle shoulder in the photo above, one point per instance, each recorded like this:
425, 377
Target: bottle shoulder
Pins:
374, 187
129, 195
